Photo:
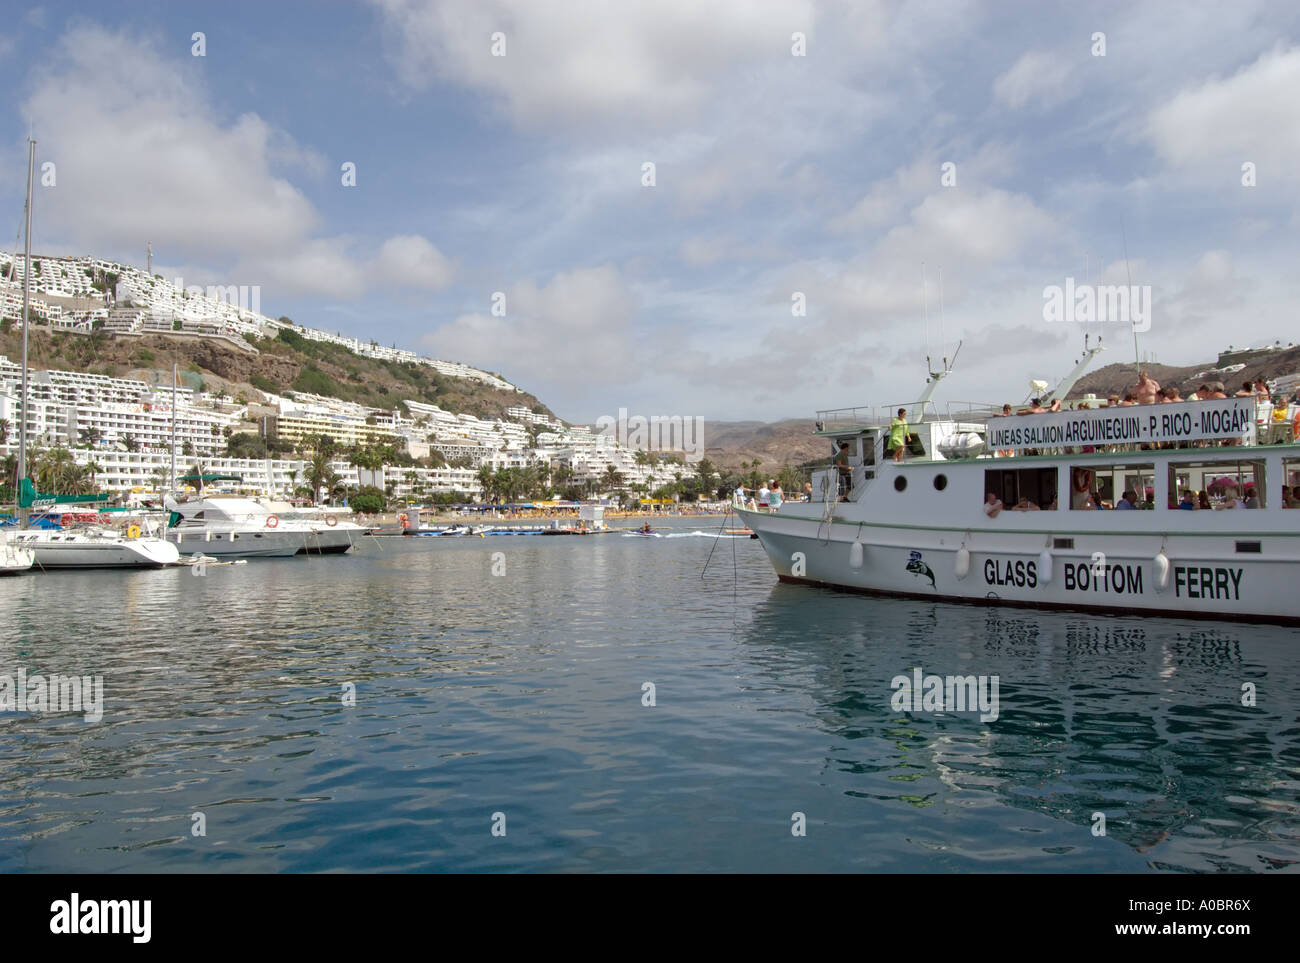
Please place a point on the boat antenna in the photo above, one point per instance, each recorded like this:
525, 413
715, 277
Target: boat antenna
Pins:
1137, 359
925, 315
943, 340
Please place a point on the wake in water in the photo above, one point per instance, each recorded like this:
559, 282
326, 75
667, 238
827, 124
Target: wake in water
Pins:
695, 534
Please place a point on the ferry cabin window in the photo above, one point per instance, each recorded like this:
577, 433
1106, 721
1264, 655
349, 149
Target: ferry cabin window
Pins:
1220, 483
1103, 486
1291, 479
1010, 484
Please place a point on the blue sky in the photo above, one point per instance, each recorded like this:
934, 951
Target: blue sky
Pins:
774, 174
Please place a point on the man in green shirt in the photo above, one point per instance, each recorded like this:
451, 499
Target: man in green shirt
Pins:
898, 434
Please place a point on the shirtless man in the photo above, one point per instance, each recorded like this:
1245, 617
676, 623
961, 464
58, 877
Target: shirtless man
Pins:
1144, 392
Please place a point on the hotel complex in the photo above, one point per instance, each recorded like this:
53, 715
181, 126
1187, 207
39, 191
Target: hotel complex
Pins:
125, 427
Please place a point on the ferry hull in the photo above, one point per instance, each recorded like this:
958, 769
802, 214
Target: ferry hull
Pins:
1205, 576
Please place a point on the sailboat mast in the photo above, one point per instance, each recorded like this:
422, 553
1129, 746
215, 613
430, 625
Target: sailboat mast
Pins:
172, 487
27, 297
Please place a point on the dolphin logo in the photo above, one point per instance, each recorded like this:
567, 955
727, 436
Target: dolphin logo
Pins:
918, 567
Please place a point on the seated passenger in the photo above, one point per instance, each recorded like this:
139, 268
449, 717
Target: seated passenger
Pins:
1128, 502
1188, 502
1247, 390
1051, 506
1252, 497
1203, 501
992, 505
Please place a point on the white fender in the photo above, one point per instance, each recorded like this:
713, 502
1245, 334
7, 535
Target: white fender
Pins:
961, 567
1161, 565
1044, 567
855, 554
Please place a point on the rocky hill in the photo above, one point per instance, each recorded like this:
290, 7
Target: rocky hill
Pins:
1119, 378
287, 362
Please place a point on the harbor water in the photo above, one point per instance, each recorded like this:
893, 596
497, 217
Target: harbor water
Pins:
598, 704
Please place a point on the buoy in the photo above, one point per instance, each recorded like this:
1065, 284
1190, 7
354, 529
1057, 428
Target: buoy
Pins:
855, 554
961, 567
133, 531
1045, 566
1161, 564
272, 521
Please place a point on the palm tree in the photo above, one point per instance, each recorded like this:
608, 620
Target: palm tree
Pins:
487, 481
4, 431
58, 473
93, 468
613, 478
320, 475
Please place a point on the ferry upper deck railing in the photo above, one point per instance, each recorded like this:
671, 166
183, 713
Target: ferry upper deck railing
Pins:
879, 416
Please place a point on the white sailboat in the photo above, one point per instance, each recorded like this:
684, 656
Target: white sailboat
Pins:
92, 546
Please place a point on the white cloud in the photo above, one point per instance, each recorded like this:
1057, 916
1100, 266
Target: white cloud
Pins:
141, 154
571, 335
1254, 116
1037, 76
647, 63
411, 260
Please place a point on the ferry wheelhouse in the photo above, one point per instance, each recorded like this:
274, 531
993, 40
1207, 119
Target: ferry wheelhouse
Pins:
1030, 510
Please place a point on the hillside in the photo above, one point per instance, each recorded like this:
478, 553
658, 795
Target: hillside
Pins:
287, 362
1119, 378
733, 444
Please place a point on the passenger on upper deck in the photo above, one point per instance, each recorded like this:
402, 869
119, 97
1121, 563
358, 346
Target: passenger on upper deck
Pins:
898, 434
1261, 388
1247, 390
1128, 502
1035, 408
1144, 392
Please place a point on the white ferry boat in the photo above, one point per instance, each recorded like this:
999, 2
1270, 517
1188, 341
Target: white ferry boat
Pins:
1031, 510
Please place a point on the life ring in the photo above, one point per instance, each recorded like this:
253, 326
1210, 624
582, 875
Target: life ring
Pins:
133, 531
272, 521
331, 521
1082, 480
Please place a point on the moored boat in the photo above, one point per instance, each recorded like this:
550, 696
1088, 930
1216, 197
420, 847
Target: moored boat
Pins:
1035, 510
